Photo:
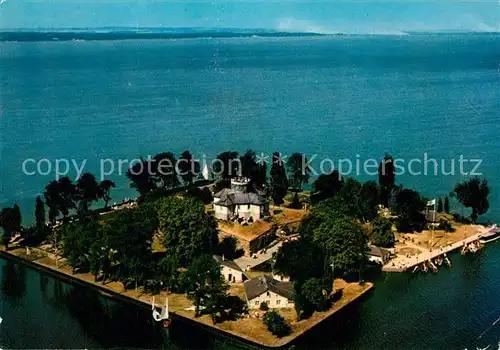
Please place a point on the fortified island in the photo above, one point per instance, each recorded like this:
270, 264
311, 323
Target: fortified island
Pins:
256, 260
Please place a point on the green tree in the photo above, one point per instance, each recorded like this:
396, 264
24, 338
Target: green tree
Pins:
249, 165
189, 167
52, 199
67, 196
168, 273
330, 208
276, 324
204, 284
128, 237
221, 184
60, 197
317, 292
165, 170
386, 179
300, 260
473, 193
202, 194
141, 177
298, 172
278, 181
344, 242
260, 179
382, 234
227, 165
105, 191
228, 248
188, 231
440, 206
10, 222
446, 205
87, 191
16, 217
409, 207
326, 186
361, 199
40, 214
40, 218
78, 239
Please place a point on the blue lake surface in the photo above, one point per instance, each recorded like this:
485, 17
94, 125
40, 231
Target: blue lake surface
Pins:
354, 97
337, 97
455, 308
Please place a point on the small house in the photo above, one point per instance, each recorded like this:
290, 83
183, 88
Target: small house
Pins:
265, 289
231, 272
378, 255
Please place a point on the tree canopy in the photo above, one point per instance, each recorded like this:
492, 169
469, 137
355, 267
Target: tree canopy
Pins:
278, 179
187, 230
382, 234
386, 178
361, 199
204, 283
227, 164
446, 206
60, 197
298, 173
300, 260
165, 170
10, 221
189, 167
276, 324
409, 207
87, 191
326, 186
105, 191
140, 176
473, 193
344, 242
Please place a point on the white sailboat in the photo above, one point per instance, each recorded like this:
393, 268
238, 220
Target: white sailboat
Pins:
205, 172
163, 315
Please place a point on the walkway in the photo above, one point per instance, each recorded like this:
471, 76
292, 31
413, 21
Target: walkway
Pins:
249, 262
402, 263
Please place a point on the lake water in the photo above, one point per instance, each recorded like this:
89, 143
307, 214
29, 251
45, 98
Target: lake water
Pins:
336, 97
453, 309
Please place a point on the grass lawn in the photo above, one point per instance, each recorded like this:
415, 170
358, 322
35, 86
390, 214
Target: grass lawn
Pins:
248, 232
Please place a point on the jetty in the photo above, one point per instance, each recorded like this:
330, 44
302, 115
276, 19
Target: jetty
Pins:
402, 263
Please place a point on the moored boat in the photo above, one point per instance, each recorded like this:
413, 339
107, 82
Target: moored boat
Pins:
491, 235
162, 316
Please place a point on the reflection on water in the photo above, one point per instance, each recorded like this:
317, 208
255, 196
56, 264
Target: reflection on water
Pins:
449, 309
40, 311
13, 282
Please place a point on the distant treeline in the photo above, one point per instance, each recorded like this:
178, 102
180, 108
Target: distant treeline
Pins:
128, 35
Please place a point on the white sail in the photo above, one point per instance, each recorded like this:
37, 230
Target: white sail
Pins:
205, 172
156, 316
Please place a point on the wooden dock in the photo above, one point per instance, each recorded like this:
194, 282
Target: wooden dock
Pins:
403, 263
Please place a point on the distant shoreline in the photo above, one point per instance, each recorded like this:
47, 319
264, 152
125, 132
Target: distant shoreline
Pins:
105, 34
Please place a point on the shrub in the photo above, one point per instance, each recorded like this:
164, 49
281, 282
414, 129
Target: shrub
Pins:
445, 225
382, 235
276, 324
263, 306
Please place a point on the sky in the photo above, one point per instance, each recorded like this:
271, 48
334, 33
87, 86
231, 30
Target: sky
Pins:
331, 16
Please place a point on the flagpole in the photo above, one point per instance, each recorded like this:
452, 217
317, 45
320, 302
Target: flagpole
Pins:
433, 222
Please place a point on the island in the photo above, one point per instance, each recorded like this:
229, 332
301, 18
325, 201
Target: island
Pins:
248, 253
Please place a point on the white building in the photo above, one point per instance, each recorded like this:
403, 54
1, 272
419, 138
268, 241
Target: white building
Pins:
236, 202
266, 289
231, 272
378, 255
